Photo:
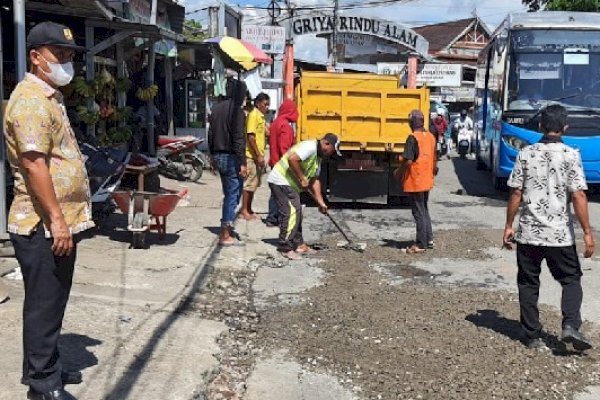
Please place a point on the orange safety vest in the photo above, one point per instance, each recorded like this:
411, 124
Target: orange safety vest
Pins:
419, 177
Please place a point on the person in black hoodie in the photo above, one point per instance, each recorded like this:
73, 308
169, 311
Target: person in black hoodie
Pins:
227, 146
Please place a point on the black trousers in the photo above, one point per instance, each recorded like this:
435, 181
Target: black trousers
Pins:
289, 210
565, 268
420, 211
47, 280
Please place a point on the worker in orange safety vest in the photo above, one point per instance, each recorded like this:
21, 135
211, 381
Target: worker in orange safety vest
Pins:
417, 171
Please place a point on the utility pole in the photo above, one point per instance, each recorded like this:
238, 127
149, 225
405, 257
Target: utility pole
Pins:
274, 11
213, 21
20, 39
334, 35
288, 57
3, 210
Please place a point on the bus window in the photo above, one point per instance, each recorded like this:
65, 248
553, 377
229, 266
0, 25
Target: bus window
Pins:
545, 66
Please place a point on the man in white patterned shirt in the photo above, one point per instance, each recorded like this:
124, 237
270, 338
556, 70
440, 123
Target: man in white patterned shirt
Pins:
547, 177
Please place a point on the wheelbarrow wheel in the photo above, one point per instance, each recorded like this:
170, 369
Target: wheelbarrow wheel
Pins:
139, 238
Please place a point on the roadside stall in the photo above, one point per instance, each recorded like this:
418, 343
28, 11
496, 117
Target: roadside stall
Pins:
126, 68
201, 79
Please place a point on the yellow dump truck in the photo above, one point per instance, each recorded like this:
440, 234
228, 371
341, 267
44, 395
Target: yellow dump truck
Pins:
369, 113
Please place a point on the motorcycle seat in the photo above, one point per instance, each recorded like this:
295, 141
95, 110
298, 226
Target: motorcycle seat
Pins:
164, 140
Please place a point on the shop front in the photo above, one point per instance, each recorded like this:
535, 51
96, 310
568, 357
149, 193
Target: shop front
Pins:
126, 68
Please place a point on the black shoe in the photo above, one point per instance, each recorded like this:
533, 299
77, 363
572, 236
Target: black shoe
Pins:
572, 335
271, 224
58, 394
68, 378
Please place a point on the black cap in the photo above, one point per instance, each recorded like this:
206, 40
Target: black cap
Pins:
51, 34
332, 139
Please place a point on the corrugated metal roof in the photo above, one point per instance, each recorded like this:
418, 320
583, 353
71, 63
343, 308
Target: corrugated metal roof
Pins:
82, 8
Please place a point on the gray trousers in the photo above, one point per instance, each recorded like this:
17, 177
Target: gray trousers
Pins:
420, 212
290, 217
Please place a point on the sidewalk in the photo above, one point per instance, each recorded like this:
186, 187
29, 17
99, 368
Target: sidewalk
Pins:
128, 325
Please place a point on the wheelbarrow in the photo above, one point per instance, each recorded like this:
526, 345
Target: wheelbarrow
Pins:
147, 211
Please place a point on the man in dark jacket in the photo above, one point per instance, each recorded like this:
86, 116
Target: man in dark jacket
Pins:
281, 139
227, 145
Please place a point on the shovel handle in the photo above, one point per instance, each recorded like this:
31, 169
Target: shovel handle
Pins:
339, 228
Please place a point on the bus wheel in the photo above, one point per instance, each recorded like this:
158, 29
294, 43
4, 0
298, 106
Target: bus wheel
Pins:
480, 165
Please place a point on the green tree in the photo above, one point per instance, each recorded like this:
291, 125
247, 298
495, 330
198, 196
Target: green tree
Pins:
193, 31
563, 5
535, 5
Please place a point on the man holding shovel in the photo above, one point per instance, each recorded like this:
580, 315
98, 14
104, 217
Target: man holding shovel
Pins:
298, 171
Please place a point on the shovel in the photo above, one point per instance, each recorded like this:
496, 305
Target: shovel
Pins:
349, 244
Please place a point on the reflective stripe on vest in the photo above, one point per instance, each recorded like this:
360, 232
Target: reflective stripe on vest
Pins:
310, 167
419, 177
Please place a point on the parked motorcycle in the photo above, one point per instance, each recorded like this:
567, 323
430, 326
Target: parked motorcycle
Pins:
105, 168
180, 158
441, 147
464, 142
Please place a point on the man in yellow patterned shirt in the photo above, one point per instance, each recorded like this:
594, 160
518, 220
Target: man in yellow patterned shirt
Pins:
51, 204
256, 130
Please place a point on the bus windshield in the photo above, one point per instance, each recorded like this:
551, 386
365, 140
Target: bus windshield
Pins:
554, 66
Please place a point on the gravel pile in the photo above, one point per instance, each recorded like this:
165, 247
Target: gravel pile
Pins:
416, 340
420, 341
227, 297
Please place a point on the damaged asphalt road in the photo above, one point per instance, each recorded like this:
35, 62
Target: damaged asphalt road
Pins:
386, 325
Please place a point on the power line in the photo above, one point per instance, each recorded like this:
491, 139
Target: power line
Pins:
196, 11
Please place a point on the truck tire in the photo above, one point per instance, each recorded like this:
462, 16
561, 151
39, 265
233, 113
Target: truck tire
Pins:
397, 201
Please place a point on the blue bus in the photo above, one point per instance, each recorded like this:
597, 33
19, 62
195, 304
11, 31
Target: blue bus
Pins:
532, 60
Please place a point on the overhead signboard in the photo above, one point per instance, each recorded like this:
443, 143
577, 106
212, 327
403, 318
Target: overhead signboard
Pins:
433, 75
389, 31
356, 44
462, 94
270, 39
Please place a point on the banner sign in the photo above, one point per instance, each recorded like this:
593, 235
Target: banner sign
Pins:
270, 39
390, 31
433, 75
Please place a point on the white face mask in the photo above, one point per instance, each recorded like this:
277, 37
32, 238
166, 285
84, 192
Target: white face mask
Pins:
60, 74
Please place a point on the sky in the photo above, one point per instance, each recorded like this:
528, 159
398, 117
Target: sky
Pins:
407, 12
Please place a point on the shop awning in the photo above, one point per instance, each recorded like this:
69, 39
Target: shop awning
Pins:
239, 51
77, 8
136, 29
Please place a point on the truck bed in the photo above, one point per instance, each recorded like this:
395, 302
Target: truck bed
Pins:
368, 112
